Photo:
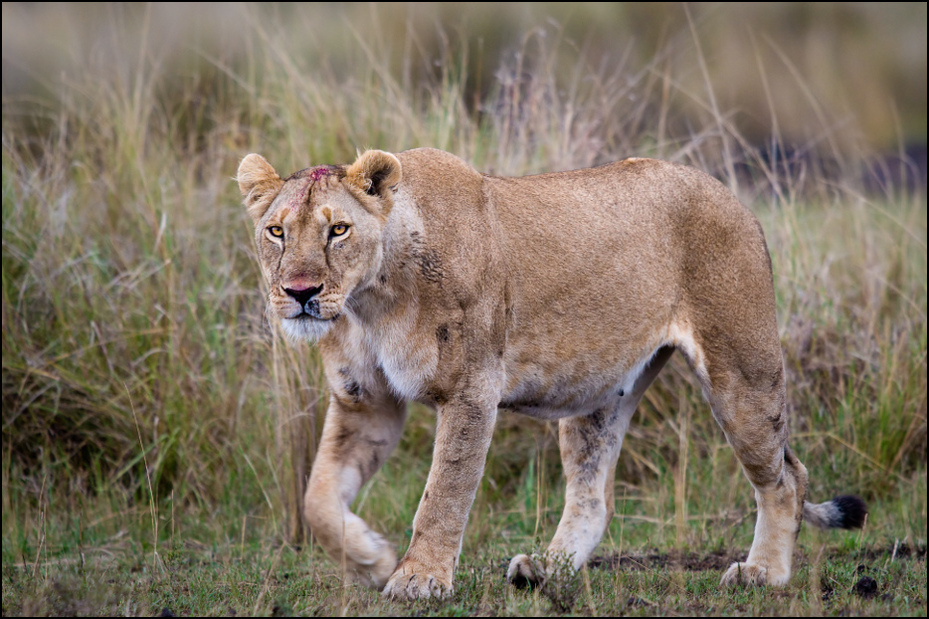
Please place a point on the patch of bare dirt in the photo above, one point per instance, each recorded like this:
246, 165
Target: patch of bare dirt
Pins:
685, 561
720, 560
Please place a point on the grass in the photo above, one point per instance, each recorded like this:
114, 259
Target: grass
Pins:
251, 572
156, 430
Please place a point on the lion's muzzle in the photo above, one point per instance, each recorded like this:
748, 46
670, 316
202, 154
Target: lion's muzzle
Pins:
304, 296
306, 312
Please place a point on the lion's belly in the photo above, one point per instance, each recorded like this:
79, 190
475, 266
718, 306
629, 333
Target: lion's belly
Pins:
547, 389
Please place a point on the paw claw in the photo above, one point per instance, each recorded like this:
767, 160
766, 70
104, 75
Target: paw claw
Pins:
525, 572
402, 586
746, 574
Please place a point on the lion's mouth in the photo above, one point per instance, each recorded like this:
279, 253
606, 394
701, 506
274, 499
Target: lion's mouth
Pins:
312, 310
304, 315
305, 326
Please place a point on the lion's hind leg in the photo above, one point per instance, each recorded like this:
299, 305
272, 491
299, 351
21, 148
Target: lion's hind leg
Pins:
753, 417
779, 498
752, 413
590, 447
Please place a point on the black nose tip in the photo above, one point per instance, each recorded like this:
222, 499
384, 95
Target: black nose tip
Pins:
304, 295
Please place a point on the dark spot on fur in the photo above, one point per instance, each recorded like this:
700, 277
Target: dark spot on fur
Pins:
474, 413
441, 333
437, 397
373, 464
777, 378
590, 465
350, 385
517, 403
430, 264
777, 422
597, 437
621, 393
353, 390
592, 504
342, 437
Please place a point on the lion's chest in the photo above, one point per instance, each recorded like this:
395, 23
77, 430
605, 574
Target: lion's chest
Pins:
407, 359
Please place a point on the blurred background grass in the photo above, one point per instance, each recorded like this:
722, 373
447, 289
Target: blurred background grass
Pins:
144, 390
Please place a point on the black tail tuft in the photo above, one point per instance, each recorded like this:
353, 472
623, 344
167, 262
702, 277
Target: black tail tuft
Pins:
852, 511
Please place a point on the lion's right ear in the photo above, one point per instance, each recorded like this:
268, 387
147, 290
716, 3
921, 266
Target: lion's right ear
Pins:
376, 173
259, 183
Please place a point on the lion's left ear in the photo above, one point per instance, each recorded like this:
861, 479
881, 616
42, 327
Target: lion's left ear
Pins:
375, 173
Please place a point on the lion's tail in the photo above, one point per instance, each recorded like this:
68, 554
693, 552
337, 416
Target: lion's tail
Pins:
843, 512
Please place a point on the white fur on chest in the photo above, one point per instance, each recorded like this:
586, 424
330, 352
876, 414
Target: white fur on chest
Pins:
407, 363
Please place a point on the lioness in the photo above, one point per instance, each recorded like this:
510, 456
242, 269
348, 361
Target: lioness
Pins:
559, 296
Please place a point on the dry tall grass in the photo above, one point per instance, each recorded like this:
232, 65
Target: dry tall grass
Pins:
131, 293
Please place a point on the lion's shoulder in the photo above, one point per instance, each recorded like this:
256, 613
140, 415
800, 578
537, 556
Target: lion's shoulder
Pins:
435, 166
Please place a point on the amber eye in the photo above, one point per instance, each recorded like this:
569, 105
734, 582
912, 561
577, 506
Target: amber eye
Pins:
338, 230
276, 231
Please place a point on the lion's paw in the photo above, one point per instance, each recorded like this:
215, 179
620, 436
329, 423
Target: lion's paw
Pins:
372, 576
525, 572
368, 560
403, 586
746, 574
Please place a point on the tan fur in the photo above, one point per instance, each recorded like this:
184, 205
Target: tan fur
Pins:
559, 296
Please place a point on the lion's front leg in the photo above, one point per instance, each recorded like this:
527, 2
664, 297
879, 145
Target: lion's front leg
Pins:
357, 438
462, 440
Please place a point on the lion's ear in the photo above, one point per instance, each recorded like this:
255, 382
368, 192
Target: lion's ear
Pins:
375, 172
259, 183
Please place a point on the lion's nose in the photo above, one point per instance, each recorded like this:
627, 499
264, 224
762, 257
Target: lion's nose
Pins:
301, 294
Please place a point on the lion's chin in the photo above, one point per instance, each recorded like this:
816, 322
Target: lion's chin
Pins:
305, 328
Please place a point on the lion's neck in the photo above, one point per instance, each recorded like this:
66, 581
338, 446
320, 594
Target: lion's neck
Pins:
392, 282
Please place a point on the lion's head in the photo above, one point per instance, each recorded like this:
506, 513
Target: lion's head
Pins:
318, 234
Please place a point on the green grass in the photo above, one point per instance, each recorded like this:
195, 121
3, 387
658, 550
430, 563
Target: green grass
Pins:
88, 566
197, 582
156, 429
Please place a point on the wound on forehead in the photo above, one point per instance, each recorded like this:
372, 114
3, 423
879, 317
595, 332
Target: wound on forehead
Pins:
307, 179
